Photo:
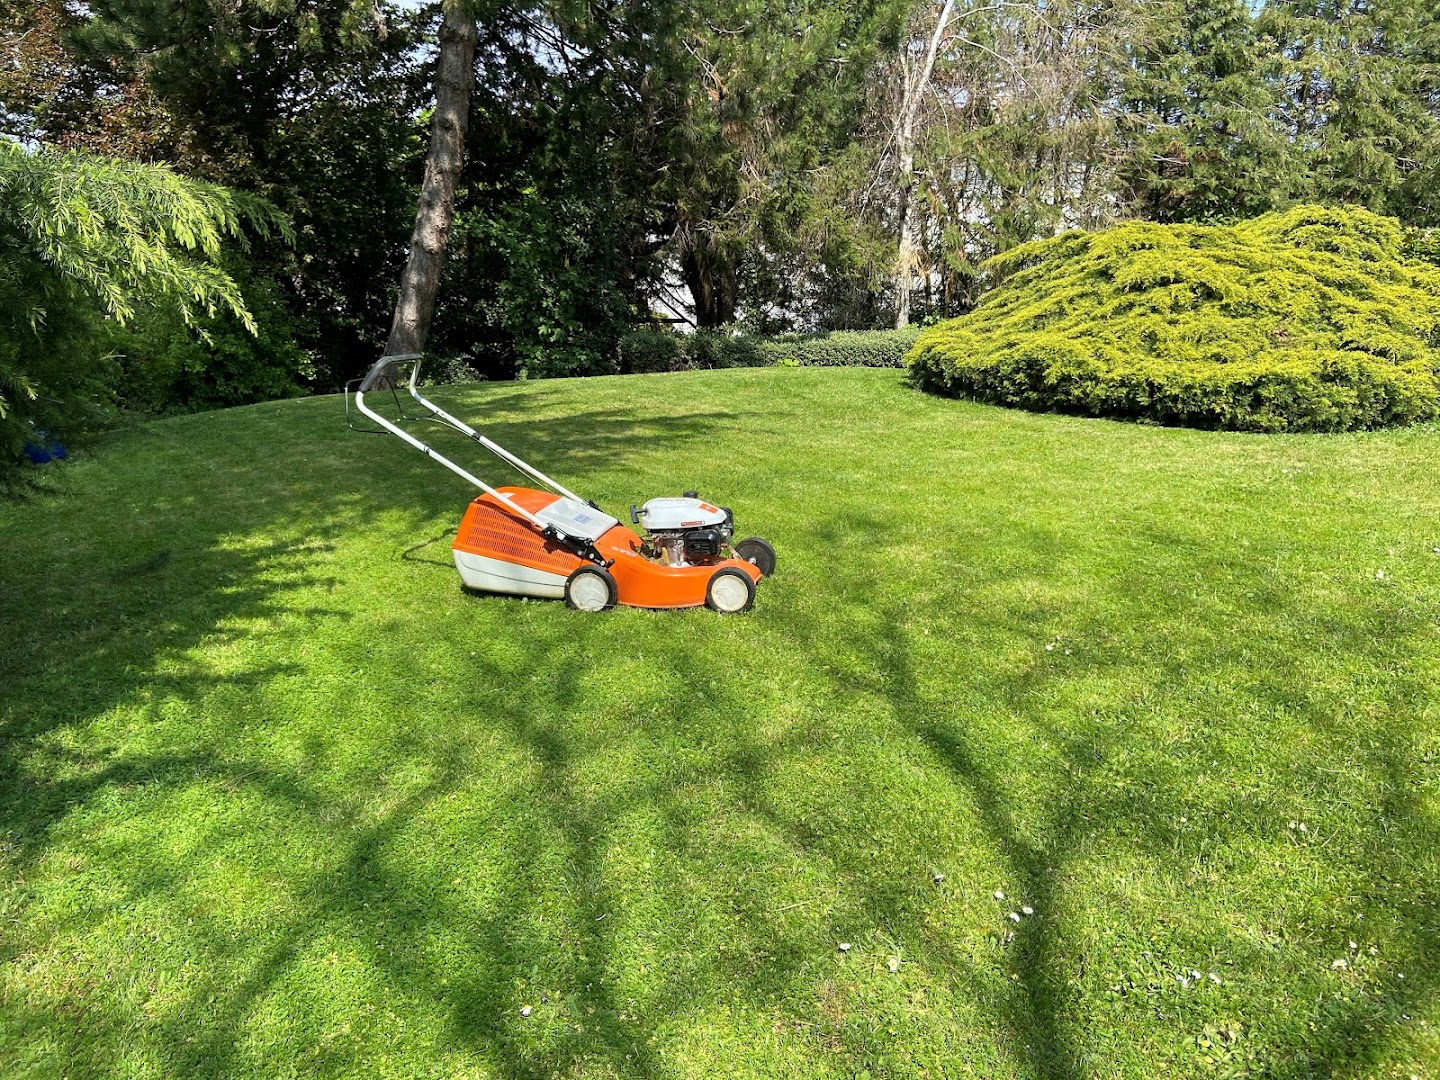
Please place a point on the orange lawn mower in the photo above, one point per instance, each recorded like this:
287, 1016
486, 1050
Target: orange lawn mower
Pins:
523, 541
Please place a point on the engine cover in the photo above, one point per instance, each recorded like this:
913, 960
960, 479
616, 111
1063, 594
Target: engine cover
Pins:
674, 514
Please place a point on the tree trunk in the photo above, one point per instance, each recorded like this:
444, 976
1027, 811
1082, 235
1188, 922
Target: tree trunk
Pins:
454, 77
710, 277
915, 88
905, 258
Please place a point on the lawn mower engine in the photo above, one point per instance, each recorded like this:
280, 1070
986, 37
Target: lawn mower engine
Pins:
685, 531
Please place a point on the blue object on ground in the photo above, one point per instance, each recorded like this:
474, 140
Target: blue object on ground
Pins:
44, 450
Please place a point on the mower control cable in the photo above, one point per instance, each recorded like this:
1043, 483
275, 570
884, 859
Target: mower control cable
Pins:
384, 375
400, 414
350, 423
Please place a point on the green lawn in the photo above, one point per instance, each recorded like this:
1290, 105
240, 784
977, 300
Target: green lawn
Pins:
278, 798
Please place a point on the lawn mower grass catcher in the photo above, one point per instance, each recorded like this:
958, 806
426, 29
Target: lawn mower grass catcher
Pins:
523, 541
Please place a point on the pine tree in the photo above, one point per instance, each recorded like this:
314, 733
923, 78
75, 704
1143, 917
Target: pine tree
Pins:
1358, 86
754, 100
1197, 113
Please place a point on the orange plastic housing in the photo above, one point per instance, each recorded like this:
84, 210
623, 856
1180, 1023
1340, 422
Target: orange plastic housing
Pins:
492, 530
489, 529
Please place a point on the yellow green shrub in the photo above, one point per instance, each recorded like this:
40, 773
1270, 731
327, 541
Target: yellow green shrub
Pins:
1311, 319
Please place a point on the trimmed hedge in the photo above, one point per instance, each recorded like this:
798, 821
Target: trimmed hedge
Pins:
663, 350
845, 348
1311, 319
643, 352
646, 351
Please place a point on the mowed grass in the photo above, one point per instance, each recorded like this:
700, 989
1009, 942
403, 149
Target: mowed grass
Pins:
278, 798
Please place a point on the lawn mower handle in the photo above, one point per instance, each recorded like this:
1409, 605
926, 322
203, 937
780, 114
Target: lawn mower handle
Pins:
382, 374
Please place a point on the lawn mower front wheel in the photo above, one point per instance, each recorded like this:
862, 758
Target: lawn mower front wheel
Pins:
591, 588
754, 549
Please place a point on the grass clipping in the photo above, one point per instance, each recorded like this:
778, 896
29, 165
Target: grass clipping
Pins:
1309, 319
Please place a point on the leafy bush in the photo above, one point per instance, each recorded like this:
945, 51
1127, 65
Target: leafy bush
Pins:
845, 348
662, 350
450, 369
1308, 320
709, 349
53, 375
165, 366
642, 352
535, 275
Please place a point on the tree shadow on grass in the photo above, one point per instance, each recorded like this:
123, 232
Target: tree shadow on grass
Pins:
93, 619
85, 638
1346, 1024
109, 617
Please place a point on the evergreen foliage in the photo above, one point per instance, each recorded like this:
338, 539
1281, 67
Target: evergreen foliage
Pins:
1358, 82
1423, 244
1310, 319
1198, 107
123, 231
746, 154
82, 239
310, 103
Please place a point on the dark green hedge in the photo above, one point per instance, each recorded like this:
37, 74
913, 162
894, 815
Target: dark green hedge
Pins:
845, 348
163, 366
1307, 320
648, 351
644, 351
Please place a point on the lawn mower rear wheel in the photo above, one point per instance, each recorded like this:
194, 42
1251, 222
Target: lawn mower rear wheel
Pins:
590, 588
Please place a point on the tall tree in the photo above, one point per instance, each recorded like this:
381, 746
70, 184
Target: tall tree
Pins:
1358, 82
916, 86
311, 103
420, 282
759, 100
1010, 137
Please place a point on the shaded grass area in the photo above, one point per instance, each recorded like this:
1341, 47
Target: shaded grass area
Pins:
278, 797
